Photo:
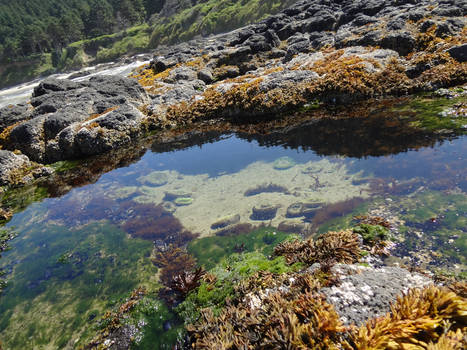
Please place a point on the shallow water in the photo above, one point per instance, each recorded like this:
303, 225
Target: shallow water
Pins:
78, 254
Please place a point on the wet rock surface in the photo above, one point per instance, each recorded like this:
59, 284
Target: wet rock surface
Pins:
328, 51
17, 169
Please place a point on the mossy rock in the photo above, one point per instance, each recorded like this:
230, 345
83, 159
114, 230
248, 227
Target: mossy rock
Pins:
283, 163
173, 195
225, 221
181, 201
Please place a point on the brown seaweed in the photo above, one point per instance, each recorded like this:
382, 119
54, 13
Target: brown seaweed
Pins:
328, 249
186, 281
333, 211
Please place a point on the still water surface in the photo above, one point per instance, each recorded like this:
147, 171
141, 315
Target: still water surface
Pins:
76, 255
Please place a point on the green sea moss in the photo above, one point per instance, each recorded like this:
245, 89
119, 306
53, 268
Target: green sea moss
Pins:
229, 272
209, 251
102, 265
427, 113
372, 234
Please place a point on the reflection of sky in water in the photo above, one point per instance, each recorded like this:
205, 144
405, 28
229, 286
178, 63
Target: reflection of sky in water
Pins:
229, 155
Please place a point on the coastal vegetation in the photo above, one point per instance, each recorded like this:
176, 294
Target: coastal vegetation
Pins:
53, 36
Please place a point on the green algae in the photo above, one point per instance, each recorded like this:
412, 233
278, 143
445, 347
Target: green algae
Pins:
209, 251
156, 326
65, 165
6, 235
372, 234
156, 316
426, 112
431, 204
18, 199
50, 300
229, 272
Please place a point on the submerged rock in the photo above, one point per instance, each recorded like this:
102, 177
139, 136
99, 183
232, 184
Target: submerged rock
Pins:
303, 209
181, 201
156, 178
283, 163
264, 212
226, 221
173, 195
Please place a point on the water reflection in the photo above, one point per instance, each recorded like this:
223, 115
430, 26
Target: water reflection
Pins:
90, 241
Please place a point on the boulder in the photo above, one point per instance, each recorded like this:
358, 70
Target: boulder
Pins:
13, 114
73, 120
264, 212
459, 52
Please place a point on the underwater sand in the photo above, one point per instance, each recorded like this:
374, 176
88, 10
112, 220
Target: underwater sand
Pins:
218, 197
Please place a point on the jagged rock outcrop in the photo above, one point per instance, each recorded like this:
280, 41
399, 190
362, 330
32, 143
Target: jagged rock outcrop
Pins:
331, 51
70, 119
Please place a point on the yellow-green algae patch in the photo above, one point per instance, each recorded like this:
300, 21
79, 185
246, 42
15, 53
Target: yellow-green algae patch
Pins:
58, 287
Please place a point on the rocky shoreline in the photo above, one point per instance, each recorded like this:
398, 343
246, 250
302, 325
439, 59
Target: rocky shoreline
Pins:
311, 54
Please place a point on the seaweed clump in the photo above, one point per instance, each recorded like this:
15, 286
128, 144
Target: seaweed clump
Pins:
178, 274
330, 248
298, 318
376, 237
429, 318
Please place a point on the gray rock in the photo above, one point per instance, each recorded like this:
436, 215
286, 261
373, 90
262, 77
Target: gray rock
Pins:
276, 53
282, 79
205, 75
459, 53
224, 222
51, 84
12, 114
11, 166
365, 292
401, 42
181, 73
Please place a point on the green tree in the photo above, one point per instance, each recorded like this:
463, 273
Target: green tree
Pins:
101, 20
73, 27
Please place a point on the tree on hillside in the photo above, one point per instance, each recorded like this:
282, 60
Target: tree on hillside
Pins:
73, 27
101, 20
